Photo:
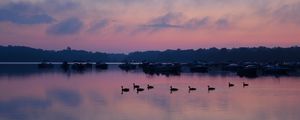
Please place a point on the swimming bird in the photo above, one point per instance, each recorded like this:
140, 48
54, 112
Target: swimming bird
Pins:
124, 89
139, 90
191, 88
172, 89
135, 86
245, 84
230, 84
210, 88
149, 87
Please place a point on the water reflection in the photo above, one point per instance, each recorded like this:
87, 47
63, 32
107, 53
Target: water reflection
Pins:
21, 107
65, 97
93, 95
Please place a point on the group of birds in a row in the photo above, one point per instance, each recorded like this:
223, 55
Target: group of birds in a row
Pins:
137, 88
172, 89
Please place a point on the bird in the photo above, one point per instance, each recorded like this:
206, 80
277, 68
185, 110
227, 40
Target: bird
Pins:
210, 88
124, 89
230, 84
135, 86
245, 84
172, 89
139, 90
191, 89
149, 87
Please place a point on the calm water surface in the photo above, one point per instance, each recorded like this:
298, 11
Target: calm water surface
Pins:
27, 93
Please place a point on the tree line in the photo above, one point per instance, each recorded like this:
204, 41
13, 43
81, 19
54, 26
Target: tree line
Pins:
257, 54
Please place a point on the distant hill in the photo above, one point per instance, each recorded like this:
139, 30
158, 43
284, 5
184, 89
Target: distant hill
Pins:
27, 54
259, 54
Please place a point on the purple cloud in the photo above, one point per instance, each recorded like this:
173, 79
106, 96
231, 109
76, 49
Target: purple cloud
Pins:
69, 26
196, 23
222, 23
288, 13
169, 20
23, 13
99, 25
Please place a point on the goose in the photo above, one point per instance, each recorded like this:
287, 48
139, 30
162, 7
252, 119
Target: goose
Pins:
173, 89
230, 84
149, 87
124, 89
210, 88
245, 84
135, 86
139, 90
191, 89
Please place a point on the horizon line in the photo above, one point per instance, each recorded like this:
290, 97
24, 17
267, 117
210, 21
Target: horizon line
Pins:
126, 53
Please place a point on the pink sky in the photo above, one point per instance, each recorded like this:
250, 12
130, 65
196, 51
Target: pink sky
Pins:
130, 25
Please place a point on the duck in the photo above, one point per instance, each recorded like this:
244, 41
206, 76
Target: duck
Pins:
135, 86
139, 90
210, 88
191, 88
172, 89
149, 87
124, 89
230, 84
245, 84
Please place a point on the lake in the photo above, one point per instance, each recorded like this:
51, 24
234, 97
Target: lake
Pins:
29, 93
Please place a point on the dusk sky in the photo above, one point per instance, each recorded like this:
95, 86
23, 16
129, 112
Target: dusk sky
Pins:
130, 25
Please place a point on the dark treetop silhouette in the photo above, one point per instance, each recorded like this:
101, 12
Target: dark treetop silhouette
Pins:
258, 54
